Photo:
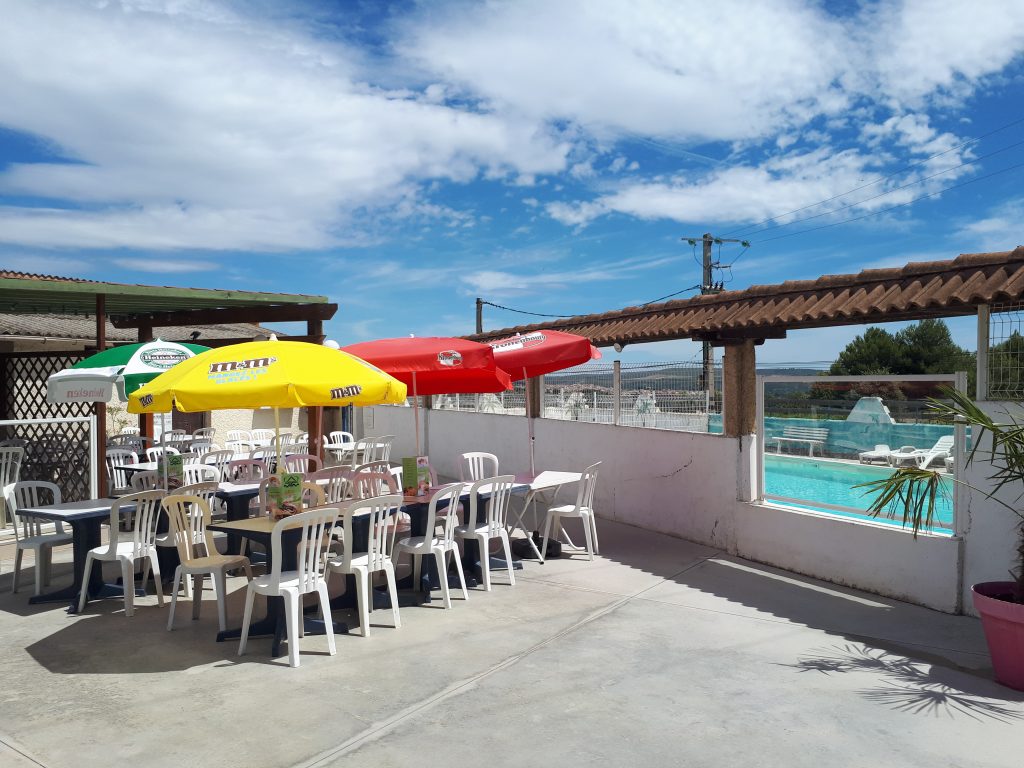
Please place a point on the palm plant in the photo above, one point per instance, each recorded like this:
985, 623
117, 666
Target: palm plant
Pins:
912, 492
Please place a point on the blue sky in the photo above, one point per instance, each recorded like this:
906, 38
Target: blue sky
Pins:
404, 159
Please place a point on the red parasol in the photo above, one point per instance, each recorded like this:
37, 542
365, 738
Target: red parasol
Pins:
435, 366
539, 352
534, 354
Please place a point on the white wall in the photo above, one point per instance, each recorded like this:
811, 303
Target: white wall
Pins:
991, 530
693, 485
292, 420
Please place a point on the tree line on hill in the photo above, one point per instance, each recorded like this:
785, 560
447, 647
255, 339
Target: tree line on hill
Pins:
926, 347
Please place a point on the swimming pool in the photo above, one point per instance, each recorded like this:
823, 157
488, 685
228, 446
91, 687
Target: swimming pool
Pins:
812, 481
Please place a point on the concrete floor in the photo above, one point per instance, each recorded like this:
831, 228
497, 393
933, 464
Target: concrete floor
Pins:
659, 653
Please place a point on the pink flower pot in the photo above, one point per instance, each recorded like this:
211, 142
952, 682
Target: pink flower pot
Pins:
1003, 623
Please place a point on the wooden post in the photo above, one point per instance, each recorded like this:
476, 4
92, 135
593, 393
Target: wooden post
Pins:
740, 387
101, 408
145, 419
315, 415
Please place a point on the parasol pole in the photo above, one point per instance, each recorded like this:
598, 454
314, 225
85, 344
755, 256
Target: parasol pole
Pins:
164, 458
416, 412
277, 442
529, 422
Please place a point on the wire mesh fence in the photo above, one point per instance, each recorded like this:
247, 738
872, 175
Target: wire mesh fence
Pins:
656, 395
512, 402
1006, 352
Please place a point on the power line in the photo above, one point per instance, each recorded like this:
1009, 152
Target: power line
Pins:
894, 207
880, 178
889, 191
522, 311
685, 290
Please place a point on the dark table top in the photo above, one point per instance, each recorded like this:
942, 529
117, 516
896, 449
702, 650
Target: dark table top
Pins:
68, 511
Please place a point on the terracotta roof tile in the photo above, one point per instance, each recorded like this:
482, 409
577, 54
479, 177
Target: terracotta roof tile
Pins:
917, 290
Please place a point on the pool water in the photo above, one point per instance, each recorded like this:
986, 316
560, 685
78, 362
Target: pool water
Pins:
830, 482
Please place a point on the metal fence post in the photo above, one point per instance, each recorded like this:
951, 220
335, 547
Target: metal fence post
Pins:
981, 385
616, 391
94, 469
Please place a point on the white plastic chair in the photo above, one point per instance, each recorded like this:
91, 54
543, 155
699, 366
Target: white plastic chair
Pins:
127, 547
130, 430
22, 495
156, 453
438, 546
492, 525
118, 479
367, 485
220, 460
245, 471
206, 491
342, 439
340, 445
239, 436
148, 480
239, 447
262, 437
131, 442
374, 466
336, 483
200, 473
477, 465
309, 576
172, 436
370, 449
200, 448
377, 558
205, 433
284, 440
267, 455
583, 509
10, 472
302, 463
189, 516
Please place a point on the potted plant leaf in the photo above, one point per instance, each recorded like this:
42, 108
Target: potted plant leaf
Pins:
912, 493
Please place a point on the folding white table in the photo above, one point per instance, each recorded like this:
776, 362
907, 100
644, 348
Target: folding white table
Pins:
544, 486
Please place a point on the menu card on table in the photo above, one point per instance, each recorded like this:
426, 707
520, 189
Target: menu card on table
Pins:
175, 471
284, 494
415, 476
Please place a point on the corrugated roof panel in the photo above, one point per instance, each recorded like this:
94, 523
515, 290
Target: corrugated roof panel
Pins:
926, 289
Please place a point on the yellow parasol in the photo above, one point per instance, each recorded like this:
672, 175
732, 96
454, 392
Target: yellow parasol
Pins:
257, 374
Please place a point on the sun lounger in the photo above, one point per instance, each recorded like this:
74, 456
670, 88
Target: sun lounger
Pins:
904, 456
907, 455
880, 453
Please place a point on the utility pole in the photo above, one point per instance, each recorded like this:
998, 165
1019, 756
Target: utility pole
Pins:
709, 351
479, 315
707, 286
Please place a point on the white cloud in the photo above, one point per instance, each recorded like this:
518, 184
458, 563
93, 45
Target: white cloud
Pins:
47, 264
655, 68
219, 131
785, 188
163, 265
920, 47
504, 282
999, 231
205, 125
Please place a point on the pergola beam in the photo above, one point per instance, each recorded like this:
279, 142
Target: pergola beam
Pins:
271, 313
